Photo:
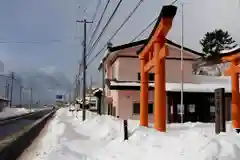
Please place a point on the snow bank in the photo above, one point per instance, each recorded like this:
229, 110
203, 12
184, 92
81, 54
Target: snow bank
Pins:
9, 112
101, 138
55, 129
182, 141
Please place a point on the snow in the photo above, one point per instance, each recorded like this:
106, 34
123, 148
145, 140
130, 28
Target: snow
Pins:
199, 84
101, 138
9, 112
236, 48
188, 87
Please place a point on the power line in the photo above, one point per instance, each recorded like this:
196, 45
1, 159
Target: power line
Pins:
124, 22
104, 28
149, 25
136, 37
95, 14
27, 42
174, 2
98, 24
96, 55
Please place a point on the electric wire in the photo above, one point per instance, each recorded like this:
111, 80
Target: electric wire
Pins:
115, 33
148, 26
27, 42
104, 28
98, 24
95, 14
174, 2
136, 37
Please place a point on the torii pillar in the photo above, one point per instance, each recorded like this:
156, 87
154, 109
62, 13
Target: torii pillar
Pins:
153, 56
233, 71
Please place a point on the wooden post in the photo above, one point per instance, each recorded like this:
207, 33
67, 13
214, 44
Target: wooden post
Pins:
220, 124
125, 128
222, 110
217, 112
144, 96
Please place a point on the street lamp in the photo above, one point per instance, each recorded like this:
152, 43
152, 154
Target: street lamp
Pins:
182, 68
182, 62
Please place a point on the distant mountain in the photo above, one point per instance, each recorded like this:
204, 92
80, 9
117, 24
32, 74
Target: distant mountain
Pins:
45, 86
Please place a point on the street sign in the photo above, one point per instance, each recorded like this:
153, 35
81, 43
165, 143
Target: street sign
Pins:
59, 97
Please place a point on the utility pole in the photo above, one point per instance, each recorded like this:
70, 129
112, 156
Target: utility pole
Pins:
6, 89
79, 79
30, 100
69, 97
11, 94
78, 88
90, 94
20, 98
84, 65
74, 88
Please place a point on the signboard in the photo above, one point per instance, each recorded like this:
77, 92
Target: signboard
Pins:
59, 97
220, 125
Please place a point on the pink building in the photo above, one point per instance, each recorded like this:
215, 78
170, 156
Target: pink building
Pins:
122, 84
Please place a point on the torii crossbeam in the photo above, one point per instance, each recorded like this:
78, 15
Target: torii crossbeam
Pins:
152, 55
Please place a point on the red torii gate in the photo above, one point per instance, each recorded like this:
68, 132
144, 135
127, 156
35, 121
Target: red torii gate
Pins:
233, 71
152, 55
233, 57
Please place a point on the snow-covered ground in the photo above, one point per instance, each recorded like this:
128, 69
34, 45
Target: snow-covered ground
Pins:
9, 112
101, 138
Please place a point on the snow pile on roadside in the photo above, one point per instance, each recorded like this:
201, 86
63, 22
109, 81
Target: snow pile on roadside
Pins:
101, 127
55, 130
182, 141
9, 112
101, 138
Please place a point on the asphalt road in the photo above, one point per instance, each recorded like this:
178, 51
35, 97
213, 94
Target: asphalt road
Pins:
9, 129
16, 126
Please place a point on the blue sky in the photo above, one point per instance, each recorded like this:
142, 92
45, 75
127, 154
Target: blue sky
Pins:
47, 20
42, 21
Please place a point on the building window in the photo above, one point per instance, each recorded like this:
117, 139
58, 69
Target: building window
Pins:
180, 109
136, 108
150, 108
212, 109
139, 76
191, 108
150, 76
